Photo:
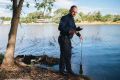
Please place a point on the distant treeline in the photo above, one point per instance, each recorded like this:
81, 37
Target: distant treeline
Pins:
33, 17
89, 17
5, 18
81, 17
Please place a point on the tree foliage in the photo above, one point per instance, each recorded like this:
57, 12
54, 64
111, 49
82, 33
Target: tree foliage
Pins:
89, 17
6, 18
45, 6
33, 17
59, 13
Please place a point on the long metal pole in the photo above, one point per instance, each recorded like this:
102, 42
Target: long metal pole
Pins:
81, 68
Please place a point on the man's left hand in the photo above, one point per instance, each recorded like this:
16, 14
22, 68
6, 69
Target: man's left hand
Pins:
81, 38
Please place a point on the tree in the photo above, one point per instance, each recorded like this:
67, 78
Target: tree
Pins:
61, 11
45, 6
116, 18
98, 16
9, 54
58, 13
81, 14
32, 17
107, 17
6, 18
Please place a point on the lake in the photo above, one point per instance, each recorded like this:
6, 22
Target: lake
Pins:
101, 47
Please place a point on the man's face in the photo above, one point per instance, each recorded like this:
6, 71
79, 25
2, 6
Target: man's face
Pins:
74, 11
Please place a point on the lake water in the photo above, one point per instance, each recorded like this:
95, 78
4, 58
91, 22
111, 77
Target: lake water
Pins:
101, 47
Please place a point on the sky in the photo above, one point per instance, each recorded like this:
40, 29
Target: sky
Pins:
85, 6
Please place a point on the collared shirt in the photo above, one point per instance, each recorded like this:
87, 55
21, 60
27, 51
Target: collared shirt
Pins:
66, 24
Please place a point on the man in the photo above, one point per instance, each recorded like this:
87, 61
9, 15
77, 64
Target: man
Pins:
67, 29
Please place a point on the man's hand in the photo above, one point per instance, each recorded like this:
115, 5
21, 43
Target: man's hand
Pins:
81, 38
79, 28
71, 31
78, 34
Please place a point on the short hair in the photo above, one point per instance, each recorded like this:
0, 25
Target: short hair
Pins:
73, 6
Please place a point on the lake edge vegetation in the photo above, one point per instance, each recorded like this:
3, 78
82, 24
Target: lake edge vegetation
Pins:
91, 17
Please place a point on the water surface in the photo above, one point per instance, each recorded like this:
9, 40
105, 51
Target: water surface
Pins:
101, 47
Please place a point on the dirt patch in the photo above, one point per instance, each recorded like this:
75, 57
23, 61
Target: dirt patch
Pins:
31, 72
34, 73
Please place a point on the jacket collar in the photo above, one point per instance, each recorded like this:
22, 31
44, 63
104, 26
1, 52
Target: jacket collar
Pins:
70, 15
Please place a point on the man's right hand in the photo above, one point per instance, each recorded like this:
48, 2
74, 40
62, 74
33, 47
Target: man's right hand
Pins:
71, 32
78, 34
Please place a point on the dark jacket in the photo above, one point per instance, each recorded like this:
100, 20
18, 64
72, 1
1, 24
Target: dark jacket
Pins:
66, 24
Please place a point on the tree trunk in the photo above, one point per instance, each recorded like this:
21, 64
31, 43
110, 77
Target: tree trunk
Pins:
44, 12
9, 55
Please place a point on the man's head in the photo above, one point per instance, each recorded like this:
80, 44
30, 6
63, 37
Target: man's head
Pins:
73, 10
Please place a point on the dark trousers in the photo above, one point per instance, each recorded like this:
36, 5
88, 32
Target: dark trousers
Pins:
65, 53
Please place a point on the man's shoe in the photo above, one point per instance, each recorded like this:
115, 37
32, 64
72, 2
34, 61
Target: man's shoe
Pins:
62, 72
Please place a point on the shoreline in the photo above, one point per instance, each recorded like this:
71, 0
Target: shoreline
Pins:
83, 23
98, 23
31, 71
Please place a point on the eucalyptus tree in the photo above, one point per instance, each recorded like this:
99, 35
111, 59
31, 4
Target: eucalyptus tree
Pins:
45, 6
10, 49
